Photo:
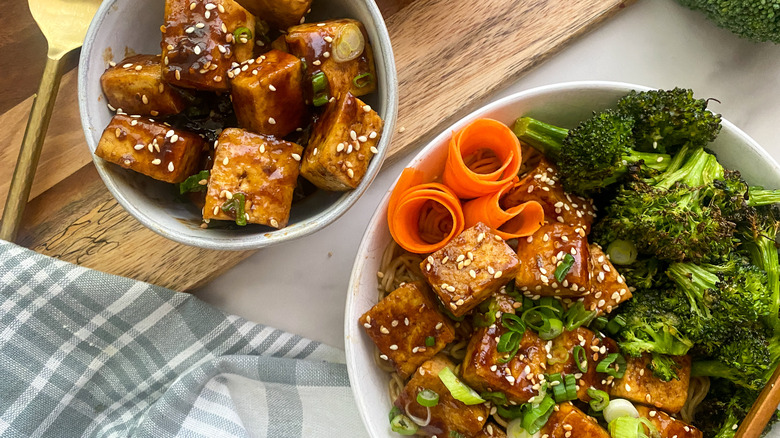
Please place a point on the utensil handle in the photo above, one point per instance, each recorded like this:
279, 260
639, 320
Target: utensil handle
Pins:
762, 410
30, 152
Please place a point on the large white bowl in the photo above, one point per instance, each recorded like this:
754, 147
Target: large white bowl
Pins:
561, 104
133, 26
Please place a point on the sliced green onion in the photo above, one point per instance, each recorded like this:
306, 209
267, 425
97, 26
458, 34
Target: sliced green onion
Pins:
600, 323
242, 32
513, 323
581, 358
511, 412
319, 84
551, 306
459, 390
628, 427
552, 329
515, 429
348, 44
456, 434
598, 399
558, 386
577, 316
394, 413
571, 387
622, 252
427, 398
320, 100
194, 183
430, 341
537, 417
485, 316
510, 290
564, 267
509, 343
403, 425
498, 398
539, 319
619, 408
614, 326
363, 80
235, 206
618, 371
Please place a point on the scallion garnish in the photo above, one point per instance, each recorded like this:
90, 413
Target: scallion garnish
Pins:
577, 316
363, 80
319, 84
427, 398
571, 387
509, 343
630, 427
430, 341
598, 399
540, 319
194, 183
513, 323
459, 390
564, 267
235, 207
581, 358
614, 326
511, 412
622, 252
537, 417
456, 434
618, 370
242, 35
485, 316
403, 425
394, 413
498, 398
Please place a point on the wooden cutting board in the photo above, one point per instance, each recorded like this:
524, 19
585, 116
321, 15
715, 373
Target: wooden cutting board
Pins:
450, 55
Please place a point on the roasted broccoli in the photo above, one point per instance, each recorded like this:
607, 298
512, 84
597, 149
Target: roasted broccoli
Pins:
594, 155
755, 20
724, 408
665, 120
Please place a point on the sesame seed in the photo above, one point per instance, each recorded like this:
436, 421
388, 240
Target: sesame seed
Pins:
177, 73
272, 88
326, 54
350, 173
374, 150
170, 166
275, 224
384, 330
200, 25
628, 387
296, 157
362, 139
449, 288
366, 108
196, 50
353, 135
207, 15
473, 274
372, 135
221, 9
498, 274
128, 65
174, 138
439, 326
138, 147
156, 161
271, 120
225, 161
189, 29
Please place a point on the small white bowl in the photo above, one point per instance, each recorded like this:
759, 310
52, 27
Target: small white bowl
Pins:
561, 104
123, 27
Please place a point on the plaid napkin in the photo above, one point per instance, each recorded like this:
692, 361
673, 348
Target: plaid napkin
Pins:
84, 353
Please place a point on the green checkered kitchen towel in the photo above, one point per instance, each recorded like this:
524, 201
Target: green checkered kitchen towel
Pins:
84, 353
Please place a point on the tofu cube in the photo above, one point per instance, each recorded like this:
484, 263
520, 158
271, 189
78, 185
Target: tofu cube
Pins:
136, 86
263, 168
450, 417
641, 386
607, 287
268, 96
401, 323
667, 425
542, 253
343, 141
198, 45
541, 184
317, 43
563, 361
279, 14
470, 268
570, 422
151, 148
483, 369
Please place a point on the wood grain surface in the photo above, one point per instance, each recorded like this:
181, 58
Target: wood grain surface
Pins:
450, 56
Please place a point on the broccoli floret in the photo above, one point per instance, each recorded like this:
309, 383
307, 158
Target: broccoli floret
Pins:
665, 120
664, 367
746, 359
592, 156
724, 408
755, 20
647, 273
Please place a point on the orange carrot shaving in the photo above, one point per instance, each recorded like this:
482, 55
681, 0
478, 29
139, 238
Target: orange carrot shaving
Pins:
482, 158
517, 221
423, 217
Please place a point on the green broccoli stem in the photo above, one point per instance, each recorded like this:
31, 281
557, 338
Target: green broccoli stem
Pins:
691, 171
693, 280
758, 196
546, 138
712, 368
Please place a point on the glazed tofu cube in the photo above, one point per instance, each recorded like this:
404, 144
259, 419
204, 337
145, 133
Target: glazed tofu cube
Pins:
342, 143
319, 45
151, 148
279, 14
641, 386
198, 45
570, 422
136, 86
563, 361
280, 44
483, 369
449, 417
666, 425
470, 268
263, 168
542, 253
542, 184
607, 287
268, 96
491, 430
405, 324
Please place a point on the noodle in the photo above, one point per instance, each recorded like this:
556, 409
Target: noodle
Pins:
483, 161
397, 267
435, 222
697, 391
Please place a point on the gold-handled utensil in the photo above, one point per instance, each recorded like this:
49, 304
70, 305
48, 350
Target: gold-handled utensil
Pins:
64, 23
763, 409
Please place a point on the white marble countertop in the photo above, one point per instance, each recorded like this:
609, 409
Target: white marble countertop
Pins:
301, 286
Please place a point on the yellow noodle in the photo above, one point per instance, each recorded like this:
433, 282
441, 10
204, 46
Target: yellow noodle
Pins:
482, 161
697, 391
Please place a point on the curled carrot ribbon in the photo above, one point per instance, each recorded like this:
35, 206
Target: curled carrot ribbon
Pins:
423, 217
520, 220
473, 181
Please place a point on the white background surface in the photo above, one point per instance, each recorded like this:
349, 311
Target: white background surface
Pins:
301, 286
